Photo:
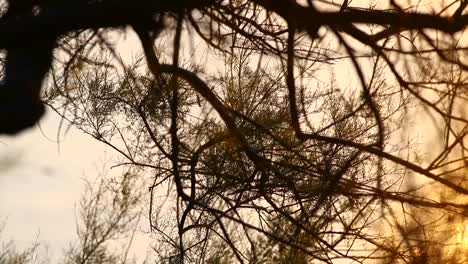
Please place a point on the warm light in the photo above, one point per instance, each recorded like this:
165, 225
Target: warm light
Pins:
462, 235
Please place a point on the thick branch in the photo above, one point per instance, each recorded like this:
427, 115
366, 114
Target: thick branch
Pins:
108, 14
308, 19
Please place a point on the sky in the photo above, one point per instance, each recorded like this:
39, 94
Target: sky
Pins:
41, 182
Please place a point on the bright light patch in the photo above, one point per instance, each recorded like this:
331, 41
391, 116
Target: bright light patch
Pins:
462, 235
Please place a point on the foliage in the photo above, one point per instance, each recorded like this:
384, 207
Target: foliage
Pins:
265, 150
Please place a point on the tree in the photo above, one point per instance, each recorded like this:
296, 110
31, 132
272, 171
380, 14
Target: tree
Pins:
271, 150
108, 215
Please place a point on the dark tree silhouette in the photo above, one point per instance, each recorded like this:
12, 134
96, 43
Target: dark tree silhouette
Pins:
25, 68
29, 29
267, 159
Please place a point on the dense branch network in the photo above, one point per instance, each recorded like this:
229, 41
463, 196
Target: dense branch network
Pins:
301, 167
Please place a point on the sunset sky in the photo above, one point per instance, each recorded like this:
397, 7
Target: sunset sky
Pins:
41, 180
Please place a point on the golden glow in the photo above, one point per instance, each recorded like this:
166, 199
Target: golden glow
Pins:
462, 235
